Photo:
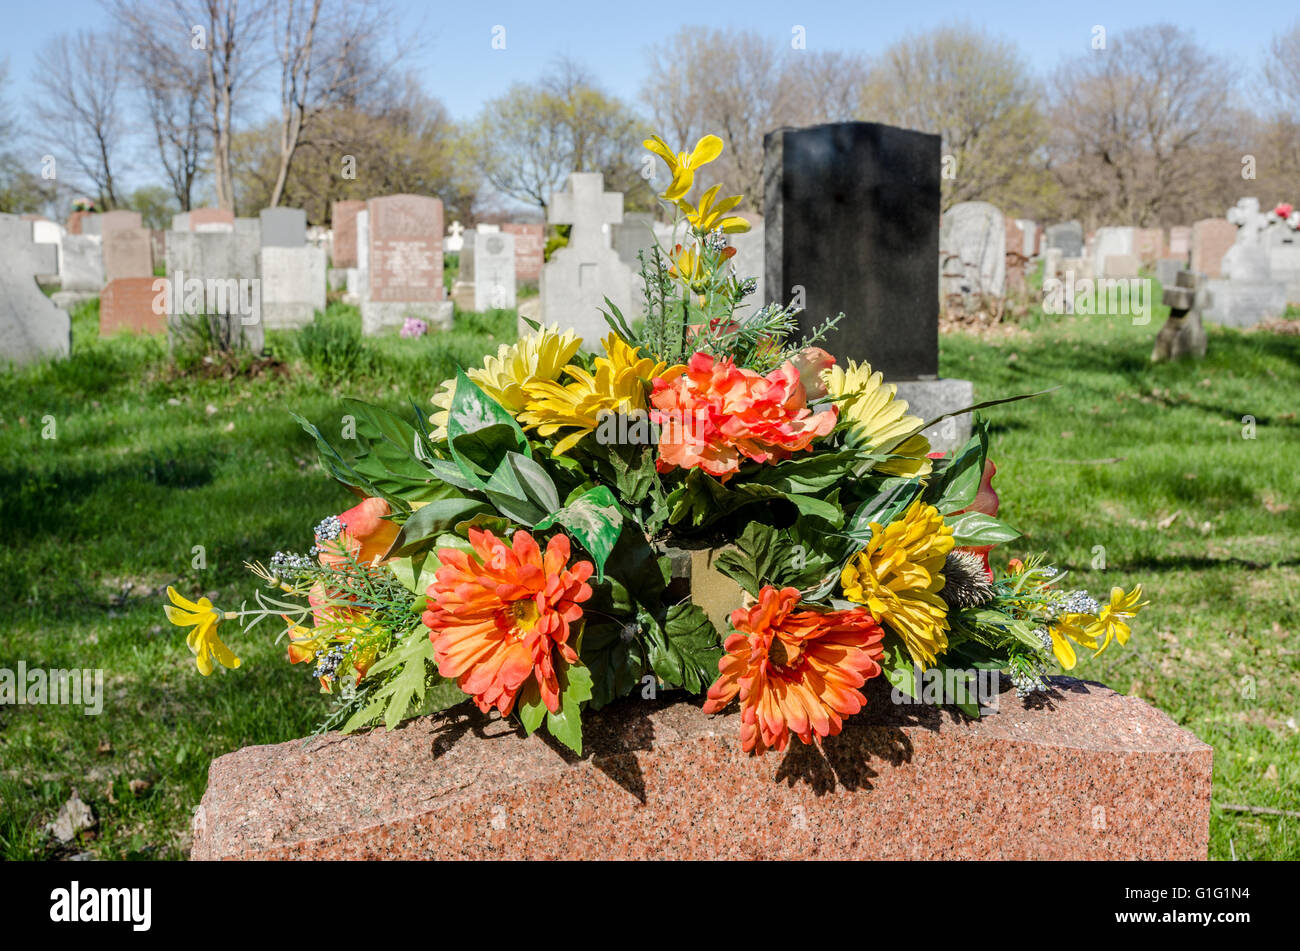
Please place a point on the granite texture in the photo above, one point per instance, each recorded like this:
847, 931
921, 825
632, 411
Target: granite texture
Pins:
1085, 773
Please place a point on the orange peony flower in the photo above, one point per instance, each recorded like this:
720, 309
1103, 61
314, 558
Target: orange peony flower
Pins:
362, 532
795, 671
711, 413
498, 620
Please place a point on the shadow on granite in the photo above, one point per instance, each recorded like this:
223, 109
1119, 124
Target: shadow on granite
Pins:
1080, 773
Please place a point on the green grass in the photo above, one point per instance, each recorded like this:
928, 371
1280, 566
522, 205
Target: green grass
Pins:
147, 463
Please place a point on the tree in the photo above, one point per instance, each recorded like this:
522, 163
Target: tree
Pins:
973, 91
531, 138
1139, 128
79, 76
156, 205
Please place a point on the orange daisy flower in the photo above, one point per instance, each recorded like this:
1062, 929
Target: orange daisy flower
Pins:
498, 620
795, 671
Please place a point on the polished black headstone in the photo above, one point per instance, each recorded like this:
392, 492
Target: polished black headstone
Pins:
852, 217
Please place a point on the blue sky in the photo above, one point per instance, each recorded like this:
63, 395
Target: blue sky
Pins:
457, 63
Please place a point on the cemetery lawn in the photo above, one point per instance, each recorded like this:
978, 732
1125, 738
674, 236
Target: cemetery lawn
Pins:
146, 463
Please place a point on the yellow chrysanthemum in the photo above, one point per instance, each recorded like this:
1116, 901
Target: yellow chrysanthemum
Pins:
682, 166
1111, 623
711, 216
540, 356
898, 576
618, 386
877, 420
203, 640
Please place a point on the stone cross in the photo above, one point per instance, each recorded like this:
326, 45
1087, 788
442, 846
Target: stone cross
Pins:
1183, 335
32, 328
588, 208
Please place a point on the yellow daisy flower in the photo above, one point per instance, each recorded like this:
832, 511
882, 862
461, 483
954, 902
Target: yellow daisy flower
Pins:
1110, 623
710, 216
683, 165
876, 419
540, 356
203, 640
898, 576
618, 386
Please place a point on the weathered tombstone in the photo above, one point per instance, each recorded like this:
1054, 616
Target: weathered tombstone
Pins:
158, 241
127, 305
851, 215
1167, 270
1183, 334
32, 328
1068, 237
1052, 264
1116, 243
358, 279
494, 271
81, 268
634, 234
212, 219
118, 220
248, 246
530, 249
293, 285
212, 277
1149, 245
181, 222
1180, 242
749, 260
1029, 238
128, 252
283, 227
1211, 239
1016, 258
454, 241
45, 231
1121, 266
405, 264
973, 254
462, 288
578, 277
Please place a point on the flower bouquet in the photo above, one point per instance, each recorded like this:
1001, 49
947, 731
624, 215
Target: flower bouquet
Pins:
514, 544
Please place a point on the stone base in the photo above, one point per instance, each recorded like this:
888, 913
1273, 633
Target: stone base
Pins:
462, 295
379, 316
1244, 303
930, 398
66, 299
1084, 774
283, 315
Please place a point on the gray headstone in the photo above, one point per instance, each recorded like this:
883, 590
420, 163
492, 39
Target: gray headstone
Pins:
1167, 270
210, 273
494, 276
973, 251
635, 233
578, 277
32, 328
1068, 237
852, 224
181, 222
1029, 228
284, 227
749, 261
128, 252
293, 285
1113, 242
248, 245
81, 264
1121, 266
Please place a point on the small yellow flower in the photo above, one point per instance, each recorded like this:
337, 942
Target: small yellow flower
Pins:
711, 216
683, 165
618, 386
877, 420
899, 575
540, 356
1071, 627
203, 640
1110, 623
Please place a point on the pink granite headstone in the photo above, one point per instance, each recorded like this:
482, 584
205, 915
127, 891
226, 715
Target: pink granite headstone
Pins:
1148, 245
1085, 774
405, 264
127, 305
343, 222
1180, 241
530, 247
1211, 239
120, 219
212, 219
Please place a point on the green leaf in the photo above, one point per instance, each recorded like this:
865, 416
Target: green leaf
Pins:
956, 481
532, 711
333, 460
685, 651
898, 666
814, 473
429, 521
407, 693
895, 495
616, 660
575, 688
797, 557
480, 431
595, 520
976, 528
408, 571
